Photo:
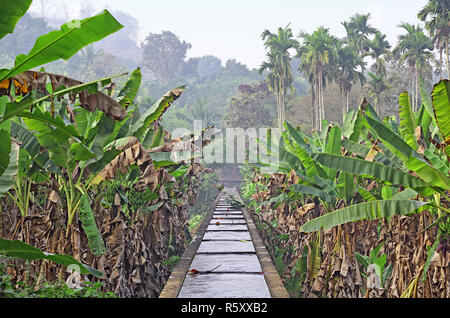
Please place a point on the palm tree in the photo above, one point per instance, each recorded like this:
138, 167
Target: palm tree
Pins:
377, 85
415, 48
438, 26
349, 68
358, 31
316, 53
377, 48
279, 65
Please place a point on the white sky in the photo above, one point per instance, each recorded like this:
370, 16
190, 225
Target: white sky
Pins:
232, 28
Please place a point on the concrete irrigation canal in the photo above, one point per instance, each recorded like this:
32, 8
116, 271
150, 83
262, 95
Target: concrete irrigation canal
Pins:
226, 259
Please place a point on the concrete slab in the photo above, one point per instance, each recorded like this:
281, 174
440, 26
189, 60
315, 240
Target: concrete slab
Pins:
228, 216
224, 286
246, 263
227, 212
227, 235
234, 227
226, 247
227, 221
219, 208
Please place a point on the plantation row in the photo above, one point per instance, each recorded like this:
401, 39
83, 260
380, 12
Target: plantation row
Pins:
362, 209
86, 180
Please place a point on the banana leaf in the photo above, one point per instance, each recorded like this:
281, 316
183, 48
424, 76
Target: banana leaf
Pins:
296, 137
22, 250
7, 176
333, 146
393, 141
370, 169
87, 218
304, 189
441, 105
5, 149
140, 127
363, 211
128, 92
426, 102
12, 11
64, 43
367, 195
407, 120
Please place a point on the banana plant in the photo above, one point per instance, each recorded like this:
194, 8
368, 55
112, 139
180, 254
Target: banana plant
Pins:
63, 43
427, 168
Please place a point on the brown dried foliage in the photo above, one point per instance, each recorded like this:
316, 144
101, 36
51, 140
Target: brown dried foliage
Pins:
404, 238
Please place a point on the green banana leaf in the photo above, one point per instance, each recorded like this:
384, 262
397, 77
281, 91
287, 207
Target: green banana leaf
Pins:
367, 195
12, 11
333, 146
22, 250
296, 137
30, 143
87, 218
10, 171
363, 211
129, 91
5, 149
64, 43
140, 127
370, 169
394, 142
441, 105
304, 189
407, 120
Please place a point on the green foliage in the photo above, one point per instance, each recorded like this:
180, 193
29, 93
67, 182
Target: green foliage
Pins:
64, 43
206, 194
171, 262
379, 263
59, 289
87, 219
195, 221
22, 250
12, 11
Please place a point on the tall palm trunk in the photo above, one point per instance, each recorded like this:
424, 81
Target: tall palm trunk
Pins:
417, 90
322, 108
282, 107
346, 100
412, 85
279, 110
313, 105
319, 110
446, 53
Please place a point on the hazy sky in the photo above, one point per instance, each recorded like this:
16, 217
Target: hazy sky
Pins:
232, 28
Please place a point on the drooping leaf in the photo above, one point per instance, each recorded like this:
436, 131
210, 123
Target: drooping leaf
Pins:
7, 178
22, 250
363, 211
64, 43
304, 189
371, 169
88, 95
5, 149
89, 225
395, 143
